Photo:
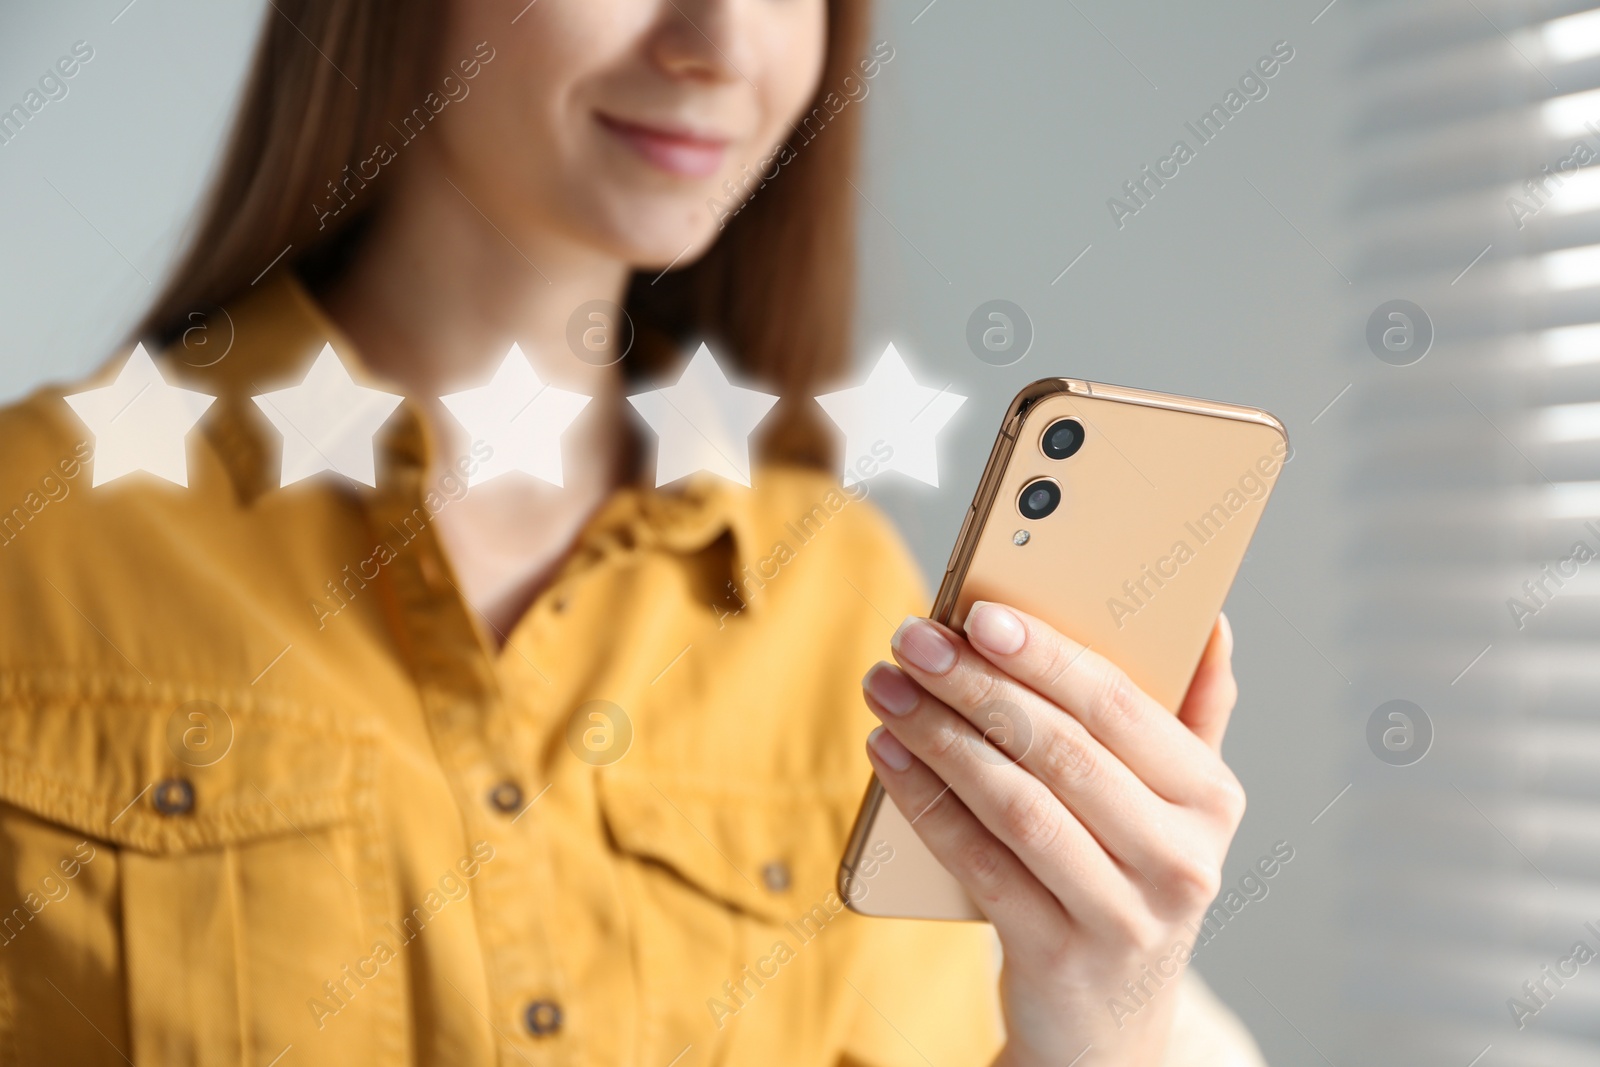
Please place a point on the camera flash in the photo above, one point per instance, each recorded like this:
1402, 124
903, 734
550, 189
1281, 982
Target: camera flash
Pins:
1020, 537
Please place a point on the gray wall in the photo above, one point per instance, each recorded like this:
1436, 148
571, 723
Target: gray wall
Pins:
997, 133
98, 186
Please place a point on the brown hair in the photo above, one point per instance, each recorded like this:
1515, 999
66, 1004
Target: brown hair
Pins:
774, 292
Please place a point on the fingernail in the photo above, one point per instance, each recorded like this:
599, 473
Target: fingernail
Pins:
996, 628
890, 687
919, 643
1227, 633
887, 747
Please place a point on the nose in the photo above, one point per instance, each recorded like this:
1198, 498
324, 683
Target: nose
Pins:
699, 40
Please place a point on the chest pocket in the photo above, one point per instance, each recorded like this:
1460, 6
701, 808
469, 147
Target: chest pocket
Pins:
193, 883
716, 878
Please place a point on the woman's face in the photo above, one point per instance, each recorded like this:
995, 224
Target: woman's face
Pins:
617, 123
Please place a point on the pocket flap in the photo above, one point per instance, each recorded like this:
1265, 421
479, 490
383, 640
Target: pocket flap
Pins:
770, 850
174, 773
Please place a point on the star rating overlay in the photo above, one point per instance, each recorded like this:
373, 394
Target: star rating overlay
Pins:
890, 407
327, 422
703, 422
519, 417
139, 422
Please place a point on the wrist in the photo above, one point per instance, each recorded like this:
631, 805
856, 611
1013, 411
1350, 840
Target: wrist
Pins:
1014, 1054
1047, 1025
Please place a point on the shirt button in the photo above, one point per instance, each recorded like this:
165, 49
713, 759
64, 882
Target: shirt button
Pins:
173, 796
775, 876
506, 797
432, 573
543, 1017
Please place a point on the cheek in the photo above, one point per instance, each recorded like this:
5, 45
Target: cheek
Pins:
537, 64
519, 130
795, 49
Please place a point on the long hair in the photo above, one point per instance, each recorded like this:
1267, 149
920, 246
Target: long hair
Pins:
774, 293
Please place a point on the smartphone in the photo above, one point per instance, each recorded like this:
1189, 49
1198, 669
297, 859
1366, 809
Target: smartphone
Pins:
1120, 517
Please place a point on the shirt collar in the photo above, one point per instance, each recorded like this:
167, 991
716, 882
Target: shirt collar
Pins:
270, 337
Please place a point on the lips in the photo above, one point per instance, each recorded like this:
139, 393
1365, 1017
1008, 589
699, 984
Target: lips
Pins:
676, 151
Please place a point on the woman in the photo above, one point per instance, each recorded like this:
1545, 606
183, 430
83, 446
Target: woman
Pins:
311, 771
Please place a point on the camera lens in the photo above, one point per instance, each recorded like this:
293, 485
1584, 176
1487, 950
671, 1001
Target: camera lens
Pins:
1039, 498
1062, 438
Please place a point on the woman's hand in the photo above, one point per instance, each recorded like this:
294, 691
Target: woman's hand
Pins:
1087, 822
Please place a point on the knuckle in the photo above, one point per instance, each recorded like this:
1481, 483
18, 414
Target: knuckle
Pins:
1116, 700
1149, 938
1228, 691
1226, 796
1031, 820
1128, 928
1066, 759
1059, 950
1052, 659
979, 686
1193, 884
929, 809
1235, 800
981, 859
947, 743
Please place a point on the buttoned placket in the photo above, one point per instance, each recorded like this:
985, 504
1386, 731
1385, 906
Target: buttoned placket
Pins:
461, 697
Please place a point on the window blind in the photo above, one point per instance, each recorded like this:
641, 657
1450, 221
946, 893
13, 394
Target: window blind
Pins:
1473, 479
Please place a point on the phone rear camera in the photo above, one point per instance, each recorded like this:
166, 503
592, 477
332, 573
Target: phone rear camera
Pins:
1039, 498
1062, 438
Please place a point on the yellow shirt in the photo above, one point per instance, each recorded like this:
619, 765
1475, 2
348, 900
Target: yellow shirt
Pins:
267, 798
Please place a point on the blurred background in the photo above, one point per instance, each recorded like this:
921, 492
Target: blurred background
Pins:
1446, 449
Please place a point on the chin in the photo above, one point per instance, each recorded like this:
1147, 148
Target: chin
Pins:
654, 233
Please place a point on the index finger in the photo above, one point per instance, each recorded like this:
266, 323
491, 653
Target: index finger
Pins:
1152, 742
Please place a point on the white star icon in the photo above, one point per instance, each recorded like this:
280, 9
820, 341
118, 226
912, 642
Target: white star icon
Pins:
891, 409
703, 422
519, 417
327, 422
139, 422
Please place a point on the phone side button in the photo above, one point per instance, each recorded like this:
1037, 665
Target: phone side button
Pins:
961, 539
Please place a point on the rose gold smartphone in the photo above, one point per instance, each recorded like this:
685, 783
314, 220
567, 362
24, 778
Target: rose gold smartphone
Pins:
1118, 516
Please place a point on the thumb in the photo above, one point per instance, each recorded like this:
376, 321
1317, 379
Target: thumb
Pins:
1212, 693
